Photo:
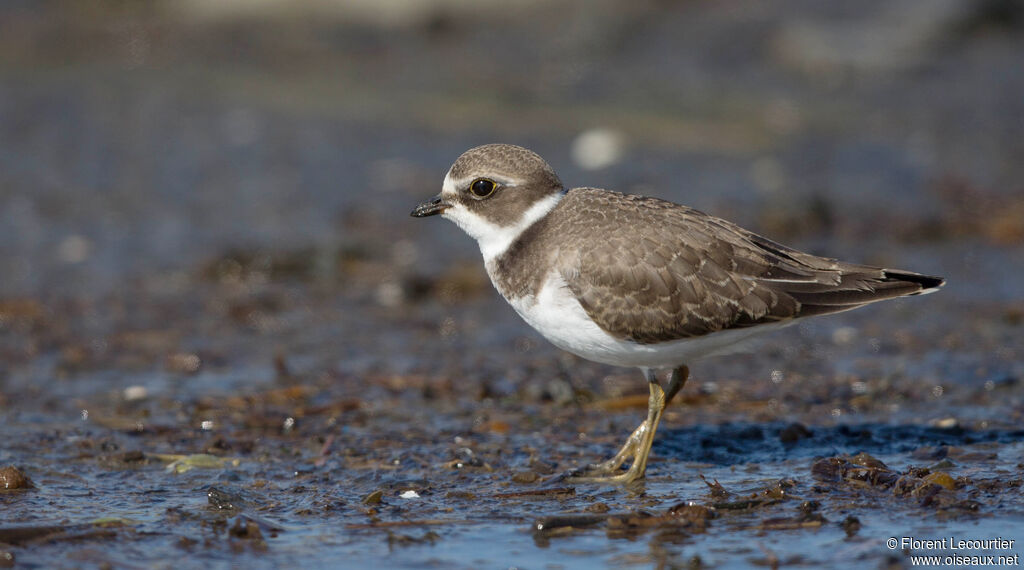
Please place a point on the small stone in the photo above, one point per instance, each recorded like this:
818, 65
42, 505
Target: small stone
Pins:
828, 469
865, 460
12, 478
942, 479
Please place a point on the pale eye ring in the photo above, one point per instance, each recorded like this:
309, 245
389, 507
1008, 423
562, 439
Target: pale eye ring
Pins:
482, 187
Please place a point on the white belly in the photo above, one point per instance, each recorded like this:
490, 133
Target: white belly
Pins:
558, 316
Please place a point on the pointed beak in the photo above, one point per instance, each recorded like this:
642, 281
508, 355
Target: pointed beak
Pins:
431, 207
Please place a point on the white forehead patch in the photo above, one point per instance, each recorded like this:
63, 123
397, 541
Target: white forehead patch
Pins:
493, 239
448, 186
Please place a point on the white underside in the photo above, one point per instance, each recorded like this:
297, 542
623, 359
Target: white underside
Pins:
558, 316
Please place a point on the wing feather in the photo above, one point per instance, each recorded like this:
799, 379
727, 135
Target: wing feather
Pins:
689, 274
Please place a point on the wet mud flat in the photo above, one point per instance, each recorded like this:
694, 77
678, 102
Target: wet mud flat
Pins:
229, 419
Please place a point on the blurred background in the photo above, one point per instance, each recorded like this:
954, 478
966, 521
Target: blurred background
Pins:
137, 137
203, 203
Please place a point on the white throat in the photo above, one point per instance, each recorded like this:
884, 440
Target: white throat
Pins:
493, 239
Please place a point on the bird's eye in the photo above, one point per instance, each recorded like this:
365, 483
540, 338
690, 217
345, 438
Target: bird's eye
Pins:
482, 187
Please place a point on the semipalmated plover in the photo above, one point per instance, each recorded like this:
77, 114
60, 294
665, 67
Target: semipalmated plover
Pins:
637, 281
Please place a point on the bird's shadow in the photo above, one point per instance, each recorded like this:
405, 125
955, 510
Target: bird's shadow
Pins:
746, 443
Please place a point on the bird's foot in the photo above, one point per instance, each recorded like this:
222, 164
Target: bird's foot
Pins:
610, 471
636, 448
598, 474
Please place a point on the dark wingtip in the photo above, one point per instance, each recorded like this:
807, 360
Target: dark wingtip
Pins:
926, 282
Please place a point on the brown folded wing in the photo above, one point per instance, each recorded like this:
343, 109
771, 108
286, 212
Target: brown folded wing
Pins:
664, 272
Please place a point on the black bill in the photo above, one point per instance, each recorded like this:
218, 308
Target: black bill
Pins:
431, 207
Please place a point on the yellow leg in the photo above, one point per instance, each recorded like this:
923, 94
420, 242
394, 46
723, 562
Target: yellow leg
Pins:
638, 445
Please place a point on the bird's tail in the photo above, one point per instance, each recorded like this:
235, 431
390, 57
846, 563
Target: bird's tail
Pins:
862, 285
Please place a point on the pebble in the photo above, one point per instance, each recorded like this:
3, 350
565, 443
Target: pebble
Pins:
12, 478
